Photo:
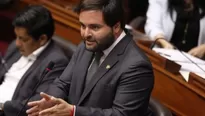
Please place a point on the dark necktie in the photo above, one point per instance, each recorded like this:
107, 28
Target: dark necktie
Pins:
94, 66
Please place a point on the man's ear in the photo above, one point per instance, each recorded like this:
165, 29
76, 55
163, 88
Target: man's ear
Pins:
117, 28
43, 40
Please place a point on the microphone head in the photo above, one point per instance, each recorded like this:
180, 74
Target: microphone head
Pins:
50, 66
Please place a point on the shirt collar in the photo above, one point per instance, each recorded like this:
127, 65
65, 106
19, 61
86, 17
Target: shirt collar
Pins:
108, 50
37, 52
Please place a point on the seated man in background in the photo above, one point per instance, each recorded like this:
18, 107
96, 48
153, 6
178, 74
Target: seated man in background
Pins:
27, 58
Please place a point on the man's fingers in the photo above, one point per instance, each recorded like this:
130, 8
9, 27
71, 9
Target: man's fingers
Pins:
33, 110
47, 111
56, 100
34, 103
53, 99
34, 114
45, 96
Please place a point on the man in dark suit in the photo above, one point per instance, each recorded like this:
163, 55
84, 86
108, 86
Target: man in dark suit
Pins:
108, 75
27, 58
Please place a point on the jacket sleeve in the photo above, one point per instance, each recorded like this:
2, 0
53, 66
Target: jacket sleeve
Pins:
132, 94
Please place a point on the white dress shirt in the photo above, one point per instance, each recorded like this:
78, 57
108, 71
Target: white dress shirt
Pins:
16, 72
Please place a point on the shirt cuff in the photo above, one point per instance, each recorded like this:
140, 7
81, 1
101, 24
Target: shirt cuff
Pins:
74, 110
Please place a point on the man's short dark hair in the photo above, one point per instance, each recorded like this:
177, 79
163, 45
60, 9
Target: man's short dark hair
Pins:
112, 10
37, 20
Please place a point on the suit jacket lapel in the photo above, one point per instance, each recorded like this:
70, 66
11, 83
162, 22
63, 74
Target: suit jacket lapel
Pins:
8, 63
107, 65
80, 73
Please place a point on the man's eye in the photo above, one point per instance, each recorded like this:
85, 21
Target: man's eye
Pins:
24, 40
83, 26
95, 28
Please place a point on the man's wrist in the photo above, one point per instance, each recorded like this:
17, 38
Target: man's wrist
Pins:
1, 106
72, 111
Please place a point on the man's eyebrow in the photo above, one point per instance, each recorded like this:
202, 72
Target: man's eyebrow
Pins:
95, 25
90, 25
81, 23
22, 37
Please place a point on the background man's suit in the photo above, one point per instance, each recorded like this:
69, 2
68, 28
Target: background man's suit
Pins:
121, 86
32, 75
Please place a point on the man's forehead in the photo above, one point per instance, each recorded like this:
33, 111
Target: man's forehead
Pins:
20, 29
91, 16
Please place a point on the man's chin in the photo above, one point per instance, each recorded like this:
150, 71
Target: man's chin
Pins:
91, 48
23, 53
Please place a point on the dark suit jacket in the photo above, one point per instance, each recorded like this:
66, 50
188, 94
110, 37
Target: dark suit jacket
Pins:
121, 86
32, 75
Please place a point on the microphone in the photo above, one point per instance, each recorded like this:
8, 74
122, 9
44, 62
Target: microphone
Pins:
189, 59
46, 71
154, 43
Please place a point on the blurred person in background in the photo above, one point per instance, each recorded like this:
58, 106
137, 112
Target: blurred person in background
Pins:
179, 23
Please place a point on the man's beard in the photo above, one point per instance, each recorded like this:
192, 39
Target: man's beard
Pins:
104, 43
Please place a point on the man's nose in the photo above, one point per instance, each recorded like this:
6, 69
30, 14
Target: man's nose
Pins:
18, 43
87, 33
